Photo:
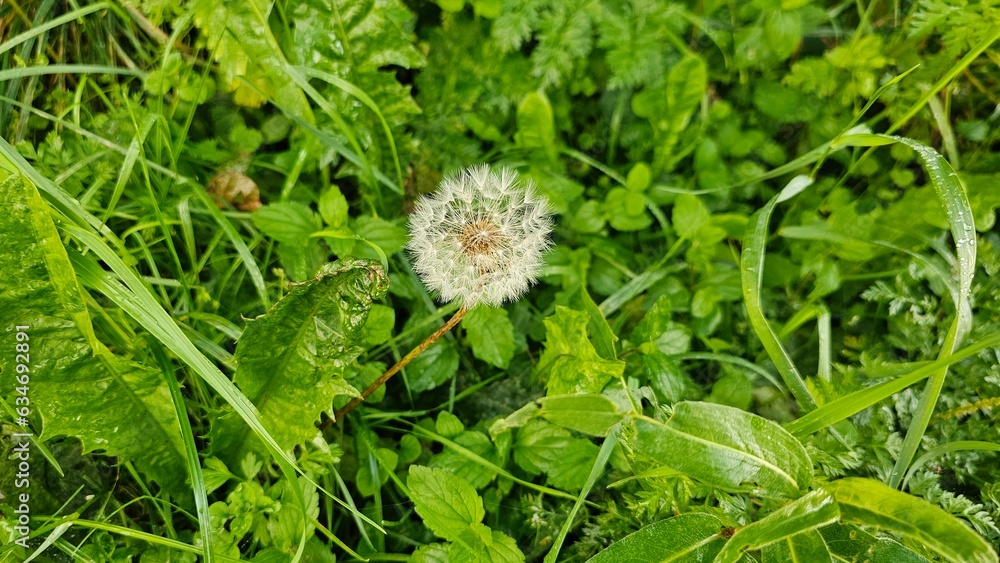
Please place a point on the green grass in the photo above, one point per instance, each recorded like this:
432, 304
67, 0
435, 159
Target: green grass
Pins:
773, 220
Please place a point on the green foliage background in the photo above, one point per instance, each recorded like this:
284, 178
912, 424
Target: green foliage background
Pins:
775, 220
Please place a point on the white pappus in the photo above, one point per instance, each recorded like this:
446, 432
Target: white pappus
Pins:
480, 237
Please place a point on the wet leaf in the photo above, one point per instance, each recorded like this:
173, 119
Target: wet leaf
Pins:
291, 361
815, 510
727, 448
870, 503
74, 383
688, 537
447, 504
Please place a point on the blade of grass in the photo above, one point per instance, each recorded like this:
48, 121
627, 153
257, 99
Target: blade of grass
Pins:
139, 535
128, 164
808, 158
963, 228
56, 197
66, 69
14, 86
825, 330
853, 403
329, 141
752, 273
817, 232
643, 281
957, 446
140, 305
56, 22
953, 198
857, 116
364, 98
952, 73
49, 540
333, 114
595, 471
136, 300
191, 453
962, 64
735, 360
69, 207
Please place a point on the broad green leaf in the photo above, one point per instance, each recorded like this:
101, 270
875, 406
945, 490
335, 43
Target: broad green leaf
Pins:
489, 465
458, 463
517, 419
570, 363
291, 362
77, 386
810, 512
216, 473
289, 518
639, 177
587, 218
247, 53
289, 223
686, 83
689, 216
333, 207
430, 553
302, 261
480, 544
536, 126
733, 389
626, 210
410, 448
447, 504
378, 327
870, 503
688, 537
594, 415
491, 335
783, 31
658, 330
541, 447
661, 372
437, 364
850, 543
800, 548
727, 448
388, 236
601, 335
378, 463
448, 425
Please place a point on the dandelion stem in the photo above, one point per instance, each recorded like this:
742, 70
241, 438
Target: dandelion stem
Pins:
402, 363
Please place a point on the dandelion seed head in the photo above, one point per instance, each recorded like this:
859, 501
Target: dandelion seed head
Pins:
480, 237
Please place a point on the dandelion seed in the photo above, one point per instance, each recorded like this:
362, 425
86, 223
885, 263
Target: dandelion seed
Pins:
481, 237
478, 239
